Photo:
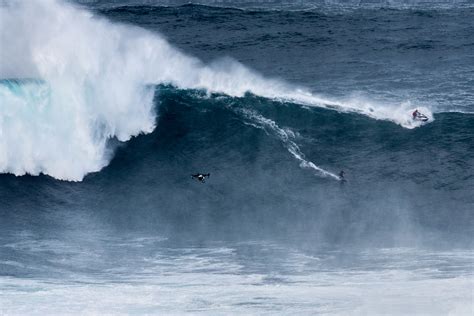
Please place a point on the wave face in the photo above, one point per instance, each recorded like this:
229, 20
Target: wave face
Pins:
94, 81
404, 187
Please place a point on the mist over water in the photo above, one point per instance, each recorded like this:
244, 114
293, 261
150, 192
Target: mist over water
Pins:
107, 108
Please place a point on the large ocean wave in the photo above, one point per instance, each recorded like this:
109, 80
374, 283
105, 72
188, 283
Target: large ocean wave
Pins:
289, 5
94, 80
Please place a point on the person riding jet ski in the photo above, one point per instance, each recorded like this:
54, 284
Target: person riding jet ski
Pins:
418, 116
415, 114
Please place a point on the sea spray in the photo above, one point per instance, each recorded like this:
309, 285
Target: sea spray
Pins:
97, 83
285, 136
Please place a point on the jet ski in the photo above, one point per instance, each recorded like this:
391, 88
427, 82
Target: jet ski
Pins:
417, 116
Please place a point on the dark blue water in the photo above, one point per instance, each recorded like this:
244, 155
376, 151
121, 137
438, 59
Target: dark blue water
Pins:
417, 54
281, 231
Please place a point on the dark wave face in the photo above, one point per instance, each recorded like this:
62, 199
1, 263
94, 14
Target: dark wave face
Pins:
103, 121
402, 185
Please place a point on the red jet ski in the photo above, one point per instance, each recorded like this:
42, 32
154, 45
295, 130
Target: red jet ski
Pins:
418, 116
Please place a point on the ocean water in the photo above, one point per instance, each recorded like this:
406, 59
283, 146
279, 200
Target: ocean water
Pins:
108, 107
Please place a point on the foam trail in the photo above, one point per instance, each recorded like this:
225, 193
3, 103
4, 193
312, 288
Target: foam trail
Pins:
97, 82
271, 127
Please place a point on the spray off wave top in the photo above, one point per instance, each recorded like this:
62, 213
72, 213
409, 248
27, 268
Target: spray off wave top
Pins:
96, 82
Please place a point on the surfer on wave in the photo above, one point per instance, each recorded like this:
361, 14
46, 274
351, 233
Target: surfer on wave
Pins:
341, 176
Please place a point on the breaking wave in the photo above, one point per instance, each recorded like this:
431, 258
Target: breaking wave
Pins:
91, 80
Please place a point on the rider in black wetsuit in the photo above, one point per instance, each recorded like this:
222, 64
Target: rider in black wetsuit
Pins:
341, 175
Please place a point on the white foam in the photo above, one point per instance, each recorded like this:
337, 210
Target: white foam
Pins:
285, 136
98, 85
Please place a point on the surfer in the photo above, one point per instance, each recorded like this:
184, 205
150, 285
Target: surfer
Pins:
341, 175
201, 176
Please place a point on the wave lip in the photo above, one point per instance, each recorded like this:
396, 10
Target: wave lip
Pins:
282, 5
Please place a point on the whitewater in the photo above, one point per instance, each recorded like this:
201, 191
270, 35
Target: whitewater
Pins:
72, 81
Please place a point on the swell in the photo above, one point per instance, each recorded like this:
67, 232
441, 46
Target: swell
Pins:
97, 83
418, 7
401, 184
